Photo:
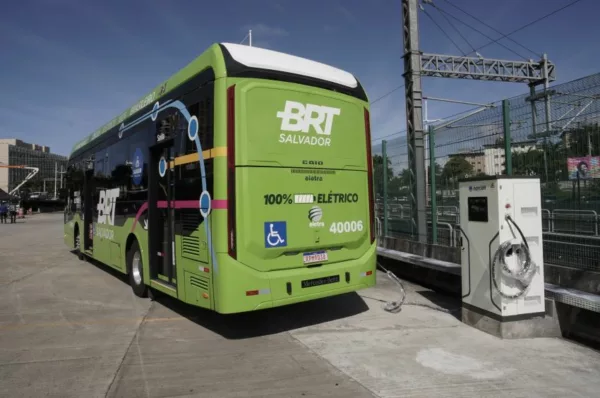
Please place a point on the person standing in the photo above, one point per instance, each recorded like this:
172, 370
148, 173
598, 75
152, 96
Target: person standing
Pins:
3, 211
12, 209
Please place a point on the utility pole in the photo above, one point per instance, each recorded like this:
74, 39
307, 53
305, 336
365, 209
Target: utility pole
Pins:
414, 119
55, 178
417, 64
250, 37
62, 174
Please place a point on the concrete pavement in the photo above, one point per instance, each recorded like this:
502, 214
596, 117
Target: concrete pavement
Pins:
73, 329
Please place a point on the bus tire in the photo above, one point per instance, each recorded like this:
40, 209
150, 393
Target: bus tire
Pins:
77, 244
135, 269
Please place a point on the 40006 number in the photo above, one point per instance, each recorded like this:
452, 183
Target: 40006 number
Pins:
346, 227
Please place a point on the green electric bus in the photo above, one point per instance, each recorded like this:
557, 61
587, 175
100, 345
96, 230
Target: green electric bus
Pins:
243, 182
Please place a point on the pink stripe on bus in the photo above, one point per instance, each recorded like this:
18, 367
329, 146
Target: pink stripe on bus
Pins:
180, 204
219, 204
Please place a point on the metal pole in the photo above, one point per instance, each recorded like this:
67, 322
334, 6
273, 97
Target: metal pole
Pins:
250, 37
55, 178
414, 119
534, 116
385, 188
547, 102
432, 190
507, 137
534, 126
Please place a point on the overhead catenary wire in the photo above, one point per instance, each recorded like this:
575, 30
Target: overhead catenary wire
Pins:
528, 24
442, 119
389, 135
458, 31
443, 31
387, 94
492, 41
491, 27
443, 13
477, 30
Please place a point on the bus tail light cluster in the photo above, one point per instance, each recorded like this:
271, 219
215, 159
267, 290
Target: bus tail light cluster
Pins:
370, 176
231, 230
258, 292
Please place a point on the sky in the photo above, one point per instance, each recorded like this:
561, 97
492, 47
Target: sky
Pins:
69, 66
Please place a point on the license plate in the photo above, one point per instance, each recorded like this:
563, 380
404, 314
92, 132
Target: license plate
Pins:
321, 281
315, 257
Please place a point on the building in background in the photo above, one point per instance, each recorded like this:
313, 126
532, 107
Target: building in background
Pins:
491, 159
14, 152
494, 155
476, 158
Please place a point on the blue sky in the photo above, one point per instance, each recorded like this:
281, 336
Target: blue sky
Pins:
69, 66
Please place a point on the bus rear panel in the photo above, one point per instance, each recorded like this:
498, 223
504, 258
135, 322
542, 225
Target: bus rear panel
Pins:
300, 218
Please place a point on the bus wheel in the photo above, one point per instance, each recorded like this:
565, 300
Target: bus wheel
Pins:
78, 251
136, 270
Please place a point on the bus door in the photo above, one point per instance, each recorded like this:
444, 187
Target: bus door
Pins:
161, 214
87, 233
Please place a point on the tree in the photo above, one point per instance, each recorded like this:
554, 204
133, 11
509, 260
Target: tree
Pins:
531, 162
457, 167
438, 174
398, 186
404, 178
581, 139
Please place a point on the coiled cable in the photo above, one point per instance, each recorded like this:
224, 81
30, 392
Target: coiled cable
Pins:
520, 271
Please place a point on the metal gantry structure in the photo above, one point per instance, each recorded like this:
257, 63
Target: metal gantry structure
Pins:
418, 64
32, 173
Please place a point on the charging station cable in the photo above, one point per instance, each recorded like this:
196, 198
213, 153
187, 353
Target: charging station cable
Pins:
522, 270
393, 306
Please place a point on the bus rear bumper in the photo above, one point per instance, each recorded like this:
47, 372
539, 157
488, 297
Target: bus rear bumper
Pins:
261, 290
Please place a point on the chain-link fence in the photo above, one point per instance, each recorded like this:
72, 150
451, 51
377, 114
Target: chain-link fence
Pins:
554, 135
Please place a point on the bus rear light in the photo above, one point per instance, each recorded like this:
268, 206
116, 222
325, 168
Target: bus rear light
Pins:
231, 216
370, 176
257, 292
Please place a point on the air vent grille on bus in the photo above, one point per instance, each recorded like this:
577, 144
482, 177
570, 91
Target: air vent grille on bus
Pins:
199, 282
190, 241
190, 246
190, 219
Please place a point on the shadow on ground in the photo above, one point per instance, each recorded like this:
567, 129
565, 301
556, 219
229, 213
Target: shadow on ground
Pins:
258, 323
449, 304
269, 321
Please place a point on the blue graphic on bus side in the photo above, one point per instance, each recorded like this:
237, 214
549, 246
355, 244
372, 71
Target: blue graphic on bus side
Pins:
137, 166
162, 167
275, 234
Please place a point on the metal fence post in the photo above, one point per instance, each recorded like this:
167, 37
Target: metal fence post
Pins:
507, 138
385, 187
432, 190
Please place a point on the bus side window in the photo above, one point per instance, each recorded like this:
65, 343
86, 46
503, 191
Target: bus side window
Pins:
201, 106
189, 181
101, 178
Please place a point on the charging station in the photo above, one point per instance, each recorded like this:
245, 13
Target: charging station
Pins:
502, 255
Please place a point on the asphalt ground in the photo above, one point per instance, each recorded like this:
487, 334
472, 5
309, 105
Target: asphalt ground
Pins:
74, 329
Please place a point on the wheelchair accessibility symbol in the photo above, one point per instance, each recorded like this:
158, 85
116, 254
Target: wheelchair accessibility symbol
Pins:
275, 234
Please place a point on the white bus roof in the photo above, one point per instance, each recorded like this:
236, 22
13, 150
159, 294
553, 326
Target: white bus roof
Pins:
262, 58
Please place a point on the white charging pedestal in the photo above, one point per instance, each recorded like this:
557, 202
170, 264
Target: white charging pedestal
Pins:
500, 296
